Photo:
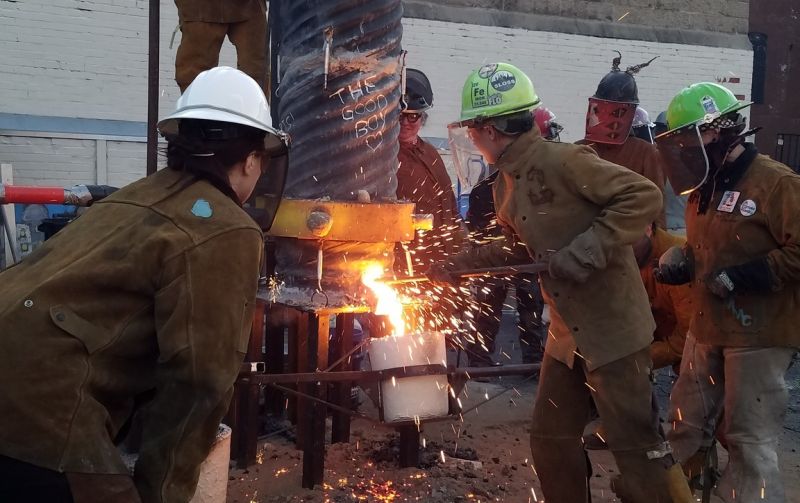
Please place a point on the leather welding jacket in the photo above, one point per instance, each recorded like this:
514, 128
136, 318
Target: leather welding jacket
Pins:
422, 178
556, 195
151, 290
762, 222
671, 304
219, 11
639, 156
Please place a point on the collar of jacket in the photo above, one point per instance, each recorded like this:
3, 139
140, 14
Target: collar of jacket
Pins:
523, 146
726, 178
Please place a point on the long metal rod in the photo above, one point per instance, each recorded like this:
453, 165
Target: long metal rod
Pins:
400, 372
484, 271
153, 57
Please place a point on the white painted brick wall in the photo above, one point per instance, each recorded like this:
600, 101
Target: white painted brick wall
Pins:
88, 58
85, 58
49, 161
565, 69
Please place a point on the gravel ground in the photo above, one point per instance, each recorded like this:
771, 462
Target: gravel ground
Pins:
485, 457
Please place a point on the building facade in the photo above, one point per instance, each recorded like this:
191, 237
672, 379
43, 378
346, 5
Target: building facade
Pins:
74, 72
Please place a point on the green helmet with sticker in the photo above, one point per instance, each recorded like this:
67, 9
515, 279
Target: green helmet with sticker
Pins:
700, 104
496, 89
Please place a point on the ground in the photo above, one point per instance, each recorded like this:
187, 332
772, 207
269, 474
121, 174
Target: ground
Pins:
484, 457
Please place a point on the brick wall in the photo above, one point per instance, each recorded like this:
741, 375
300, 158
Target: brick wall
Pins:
88, 58
565, 69
85, 58
726, 16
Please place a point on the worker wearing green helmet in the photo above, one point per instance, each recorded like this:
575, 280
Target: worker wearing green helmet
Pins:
743, 260
560, 203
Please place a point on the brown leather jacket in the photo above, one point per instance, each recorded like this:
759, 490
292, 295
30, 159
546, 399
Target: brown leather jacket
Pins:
422, 178
762, 222
557, 195
219, 11
640, 157
671, 305
152, 289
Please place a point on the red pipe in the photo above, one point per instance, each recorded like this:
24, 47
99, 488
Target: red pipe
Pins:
31, 195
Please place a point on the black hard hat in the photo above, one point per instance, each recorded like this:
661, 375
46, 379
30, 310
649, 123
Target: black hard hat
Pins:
418, 95
660, 124
618, 86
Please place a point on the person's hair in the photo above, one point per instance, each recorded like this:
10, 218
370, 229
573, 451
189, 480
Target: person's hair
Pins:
209, 149
514, 124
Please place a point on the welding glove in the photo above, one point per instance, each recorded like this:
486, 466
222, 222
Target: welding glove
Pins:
579, 259
750, 277
442, 272
675, 267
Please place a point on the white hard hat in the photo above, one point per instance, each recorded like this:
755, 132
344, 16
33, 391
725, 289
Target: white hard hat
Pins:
641, 118
222, 94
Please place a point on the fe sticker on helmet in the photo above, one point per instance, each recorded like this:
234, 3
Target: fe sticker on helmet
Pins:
503, 81
748, 207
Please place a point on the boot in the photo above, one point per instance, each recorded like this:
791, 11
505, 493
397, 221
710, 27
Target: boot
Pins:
644, 480
701, 469
562, 467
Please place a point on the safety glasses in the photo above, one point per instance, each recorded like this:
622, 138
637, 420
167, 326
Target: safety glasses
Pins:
411, 117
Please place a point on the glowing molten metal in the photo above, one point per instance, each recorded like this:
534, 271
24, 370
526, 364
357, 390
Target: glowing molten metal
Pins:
389, 303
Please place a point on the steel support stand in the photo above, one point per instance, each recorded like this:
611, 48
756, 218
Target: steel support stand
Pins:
340, 431
313, 421
409, 446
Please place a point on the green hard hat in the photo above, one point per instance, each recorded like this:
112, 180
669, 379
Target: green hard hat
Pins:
494, 90
700, 104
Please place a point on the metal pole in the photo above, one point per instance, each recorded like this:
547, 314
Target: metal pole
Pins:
11, 234
153, 57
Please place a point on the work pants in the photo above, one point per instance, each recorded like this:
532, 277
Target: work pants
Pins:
746, 387
623, 394
22, 482
491, 296
201, 43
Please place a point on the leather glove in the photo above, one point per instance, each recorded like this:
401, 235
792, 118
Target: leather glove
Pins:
751, 277
563, 266
579, 259
440, 272
674, 267
720, 284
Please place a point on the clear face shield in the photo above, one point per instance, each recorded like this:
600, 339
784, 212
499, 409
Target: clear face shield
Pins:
470, 165
685, 158
266, 198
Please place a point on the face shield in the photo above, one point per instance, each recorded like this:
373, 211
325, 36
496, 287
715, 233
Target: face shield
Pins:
644, 132
266, 198
685, 159
609, 121
468, 161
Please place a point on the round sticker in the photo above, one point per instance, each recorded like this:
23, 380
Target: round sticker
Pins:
487, 70
503, 80
748, 207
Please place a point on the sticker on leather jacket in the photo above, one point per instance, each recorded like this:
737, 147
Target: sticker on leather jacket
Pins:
748, 207
728, 201
202, 209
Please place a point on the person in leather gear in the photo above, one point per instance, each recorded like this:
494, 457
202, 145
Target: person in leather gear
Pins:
560, 203
610, 120
742, 261
142, 305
